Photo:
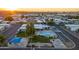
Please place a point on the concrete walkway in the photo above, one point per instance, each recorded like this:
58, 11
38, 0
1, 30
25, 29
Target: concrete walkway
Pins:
59, 44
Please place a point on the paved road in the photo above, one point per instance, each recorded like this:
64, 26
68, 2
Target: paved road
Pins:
71, 36
66, 41
10, 32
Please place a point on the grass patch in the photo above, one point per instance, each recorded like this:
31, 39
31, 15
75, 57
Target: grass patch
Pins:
39, 38
21, 34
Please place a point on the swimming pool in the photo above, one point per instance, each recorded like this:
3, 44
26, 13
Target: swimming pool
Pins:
46, 33
15, 40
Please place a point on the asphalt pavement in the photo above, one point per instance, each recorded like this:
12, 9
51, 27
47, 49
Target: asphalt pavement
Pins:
71, 36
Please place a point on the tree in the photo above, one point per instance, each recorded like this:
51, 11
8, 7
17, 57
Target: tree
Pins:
50, 22
22, 16
2, 40
62, 24
8, 18
77, 30
30, 29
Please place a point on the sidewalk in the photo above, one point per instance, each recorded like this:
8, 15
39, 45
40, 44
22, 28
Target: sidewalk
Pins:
58, 44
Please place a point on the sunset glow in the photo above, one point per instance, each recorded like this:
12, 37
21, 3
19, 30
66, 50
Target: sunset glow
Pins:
42, 9
12, 9
49, 9
38, 5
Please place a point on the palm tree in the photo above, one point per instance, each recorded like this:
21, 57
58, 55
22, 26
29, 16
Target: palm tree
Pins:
22, 16
30, 29
63, 25
50, 22
8, 18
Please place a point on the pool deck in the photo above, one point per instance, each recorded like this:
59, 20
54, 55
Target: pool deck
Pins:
46, 33
22, 44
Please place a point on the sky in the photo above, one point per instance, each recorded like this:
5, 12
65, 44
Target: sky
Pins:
40, 5
50, 9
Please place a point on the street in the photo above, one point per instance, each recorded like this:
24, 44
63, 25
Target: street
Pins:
71, 36
10, 32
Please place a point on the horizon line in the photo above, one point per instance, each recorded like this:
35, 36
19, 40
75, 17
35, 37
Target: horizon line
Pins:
43, 9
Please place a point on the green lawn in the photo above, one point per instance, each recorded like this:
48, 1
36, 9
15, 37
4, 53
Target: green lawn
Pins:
36, 38
21, 34
39, 38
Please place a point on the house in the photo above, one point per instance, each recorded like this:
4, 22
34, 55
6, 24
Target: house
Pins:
4, 26
72, 27
36, 26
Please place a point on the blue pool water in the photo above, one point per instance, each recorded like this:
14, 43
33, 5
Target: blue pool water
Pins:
15, 40
46, 33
